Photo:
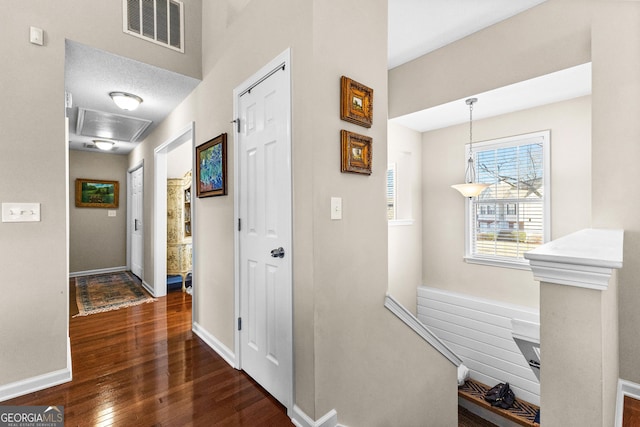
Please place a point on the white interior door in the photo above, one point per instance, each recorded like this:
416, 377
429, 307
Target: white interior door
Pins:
137, 243
264, 156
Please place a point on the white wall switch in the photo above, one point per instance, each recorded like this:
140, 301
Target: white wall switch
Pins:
111, 213
36, 36
20, 212
336, 208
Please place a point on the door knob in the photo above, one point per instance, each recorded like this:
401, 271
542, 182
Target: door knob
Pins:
277, 253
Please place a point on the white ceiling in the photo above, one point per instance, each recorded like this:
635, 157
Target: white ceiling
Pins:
416, 27
91, 74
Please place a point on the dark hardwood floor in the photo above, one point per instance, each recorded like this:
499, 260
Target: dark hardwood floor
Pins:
142, 366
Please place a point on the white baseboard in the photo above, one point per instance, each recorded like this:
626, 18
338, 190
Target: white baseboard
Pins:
149, 288
40, 382
300, 419
215, 344
98, 271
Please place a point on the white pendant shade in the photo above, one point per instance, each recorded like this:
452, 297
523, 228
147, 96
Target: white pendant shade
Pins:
126, 101
470, 189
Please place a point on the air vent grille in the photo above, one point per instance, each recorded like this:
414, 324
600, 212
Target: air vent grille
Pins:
100, 124
159, 21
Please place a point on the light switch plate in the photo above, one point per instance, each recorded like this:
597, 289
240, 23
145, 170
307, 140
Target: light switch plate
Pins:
336, 208
111, 213
36, 36
20, 212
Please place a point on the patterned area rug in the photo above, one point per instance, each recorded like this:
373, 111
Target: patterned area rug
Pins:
106, 292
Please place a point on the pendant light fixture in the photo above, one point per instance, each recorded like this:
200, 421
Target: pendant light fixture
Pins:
470, 188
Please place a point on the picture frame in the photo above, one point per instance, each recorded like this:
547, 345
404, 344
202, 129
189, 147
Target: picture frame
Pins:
357, 153
97, 193
211, 167
356, 102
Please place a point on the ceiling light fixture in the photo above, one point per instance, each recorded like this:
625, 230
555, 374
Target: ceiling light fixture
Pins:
103, 145
126, 101
470, 188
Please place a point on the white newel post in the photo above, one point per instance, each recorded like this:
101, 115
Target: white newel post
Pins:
578, 327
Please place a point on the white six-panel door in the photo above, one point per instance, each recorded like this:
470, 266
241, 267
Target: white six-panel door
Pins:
264, 162
137, 243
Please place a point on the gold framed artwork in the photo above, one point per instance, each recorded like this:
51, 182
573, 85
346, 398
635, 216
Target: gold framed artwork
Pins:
356, 102
356, 153
97, 193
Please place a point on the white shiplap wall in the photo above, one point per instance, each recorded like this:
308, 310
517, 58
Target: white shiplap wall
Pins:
479, 332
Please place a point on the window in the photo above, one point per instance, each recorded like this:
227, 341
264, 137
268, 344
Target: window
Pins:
511, 216
391, 192
159, 21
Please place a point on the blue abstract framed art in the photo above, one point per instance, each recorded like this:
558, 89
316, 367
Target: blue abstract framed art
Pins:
211, 167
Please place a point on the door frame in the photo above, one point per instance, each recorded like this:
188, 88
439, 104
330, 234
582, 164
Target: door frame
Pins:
130, 171
160, 211
283, 59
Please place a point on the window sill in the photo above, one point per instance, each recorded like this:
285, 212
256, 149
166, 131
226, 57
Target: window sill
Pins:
518, 265
397, 222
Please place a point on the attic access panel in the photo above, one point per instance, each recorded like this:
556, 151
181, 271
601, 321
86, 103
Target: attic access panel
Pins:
100, 124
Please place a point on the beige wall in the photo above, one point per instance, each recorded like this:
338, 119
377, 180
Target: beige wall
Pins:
33, 165
96, 240
405, 241
616, 132
549, 37
443, 210
345, 341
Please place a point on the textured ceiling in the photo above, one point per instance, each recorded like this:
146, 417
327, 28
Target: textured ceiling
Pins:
90, 74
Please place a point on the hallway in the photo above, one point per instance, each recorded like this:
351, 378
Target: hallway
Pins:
143, 366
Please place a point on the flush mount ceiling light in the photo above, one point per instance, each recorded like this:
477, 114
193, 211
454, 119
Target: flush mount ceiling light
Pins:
126, 101
103, 145
470, 188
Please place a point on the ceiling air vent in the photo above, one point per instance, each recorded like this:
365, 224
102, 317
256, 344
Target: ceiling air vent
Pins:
159, 21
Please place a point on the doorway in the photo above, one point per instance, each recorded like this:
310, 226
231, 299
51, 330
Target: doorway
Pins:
161, 154
135, 216
263, 194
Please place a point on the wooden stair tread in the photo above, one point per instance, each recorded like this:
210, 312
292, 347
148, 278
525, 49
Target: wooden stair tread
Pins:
521, 412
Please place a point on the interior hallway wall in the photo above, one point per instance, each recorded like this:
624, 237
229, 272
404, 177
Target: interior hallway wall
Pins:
34, 166
96, 240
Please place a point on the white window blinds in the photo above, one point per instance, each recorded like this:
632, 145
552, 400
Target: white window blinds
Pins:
511, 216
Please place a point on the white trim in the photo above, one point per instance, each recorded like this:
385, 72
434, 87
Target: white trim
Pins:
625, 388
519, 265
398, 222
412, 321
283, 58
160, 207
129, 218
98, 271
215, 344
147, 287
39, 382
584, 259
300, 419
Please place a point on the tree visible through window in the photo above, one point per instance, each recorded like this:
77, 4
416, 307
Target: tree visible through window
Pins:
510, 217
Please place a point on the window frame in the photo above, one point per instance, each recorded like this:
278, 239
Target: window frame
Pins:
516, 140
